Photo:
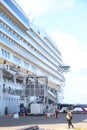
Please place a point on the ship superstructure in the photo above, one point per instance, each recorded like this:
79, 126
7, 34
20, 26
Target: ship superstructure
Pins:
29, 61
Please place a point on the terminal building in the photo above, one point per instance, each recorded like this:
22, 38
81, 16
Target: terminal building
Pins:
30, 61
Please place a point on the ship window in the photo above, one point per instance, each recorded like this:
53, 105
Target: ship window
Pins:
38, 32
5, 53
17, 60
17, 99
1, 22
9, 98
6, 98
3, 98
12, 98
26, 64
33, 69
2, 34
2, 52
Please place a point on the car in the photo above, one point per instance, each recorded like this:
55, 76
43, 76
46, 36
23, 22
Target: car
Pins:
79, 110
85, 109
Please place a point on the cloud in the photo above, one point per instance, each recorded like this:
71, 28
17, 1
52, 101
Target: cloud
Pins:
71, 52
75, 95
67, 45
75, 90
41, 7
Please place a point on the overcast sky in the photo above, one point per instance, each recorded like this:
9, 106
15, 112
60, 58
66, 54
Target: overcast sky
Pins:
66, 22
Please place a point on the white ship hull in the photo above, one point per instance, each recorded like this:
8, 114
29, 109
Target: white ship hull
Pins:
26, 53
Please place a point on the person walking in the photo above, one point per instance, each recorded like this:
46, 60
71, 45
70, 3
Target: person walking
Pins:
56, 113
69, 119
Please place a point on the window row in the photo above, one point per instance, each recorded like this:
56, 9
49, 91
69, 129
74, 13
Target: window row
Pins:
21, 48
18, 36
5, 53
13, 99
16, 59
23, 41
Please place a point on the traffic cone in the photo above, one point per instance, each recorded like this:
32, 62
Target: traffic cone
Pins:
47, 115
24, 115
10, 115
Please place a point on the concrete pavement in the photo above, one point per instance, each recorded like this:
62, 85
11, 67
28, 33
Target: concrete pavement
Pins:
51, 123
45, 127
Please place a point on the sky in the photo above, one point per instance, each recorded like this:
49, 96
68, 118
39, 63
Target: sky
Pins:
66, 22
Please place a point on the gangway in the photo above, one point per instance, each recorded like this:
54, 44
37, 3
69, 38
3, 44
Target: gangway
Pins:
37, 86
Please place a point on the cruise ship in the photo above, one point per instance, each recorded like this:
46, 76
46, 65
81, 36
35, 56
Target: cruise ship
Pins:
30, 62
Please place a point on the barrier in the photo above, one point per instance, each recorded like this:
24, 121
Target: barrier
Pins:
16, 116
